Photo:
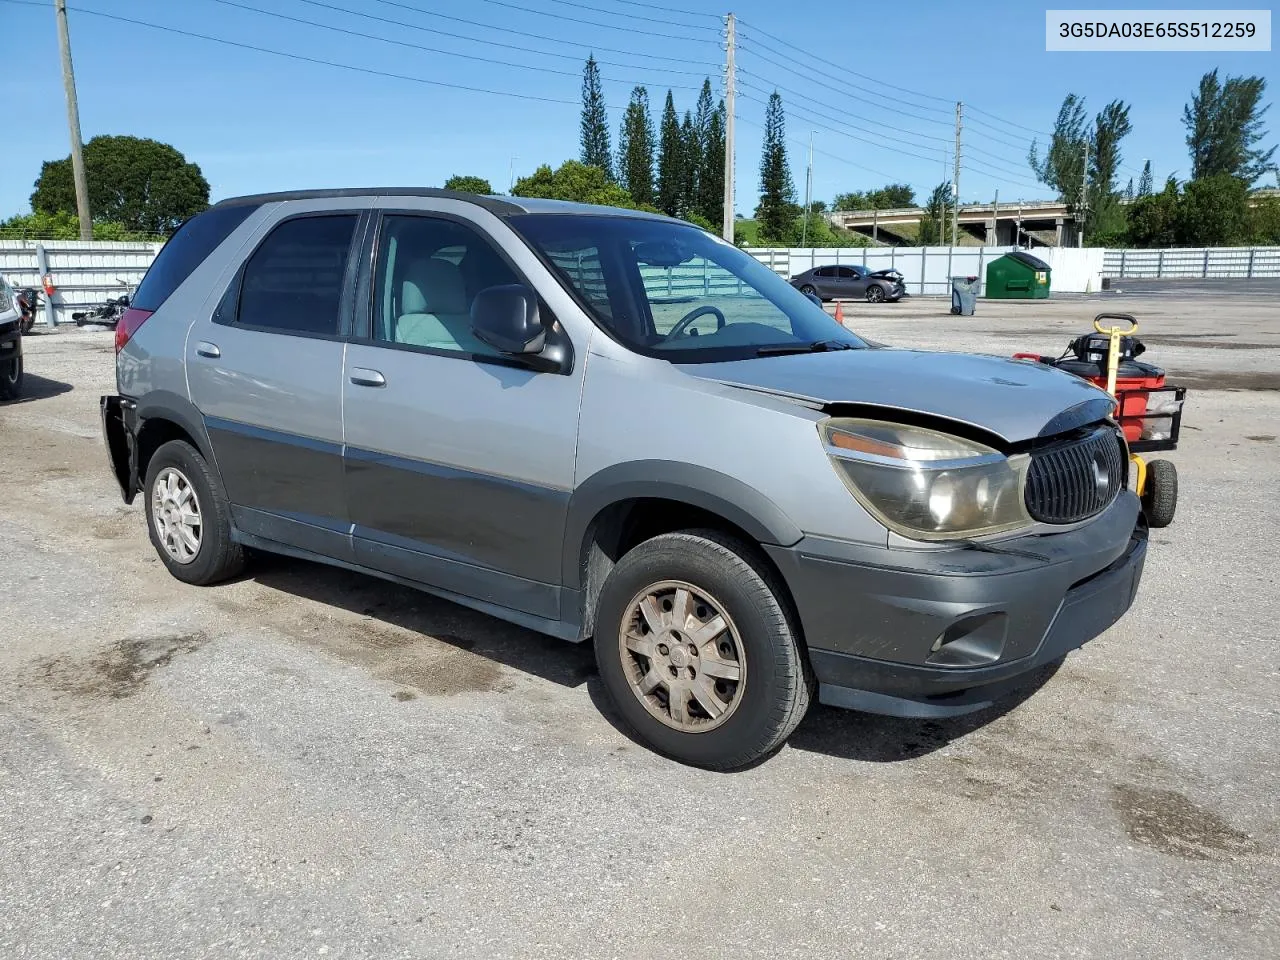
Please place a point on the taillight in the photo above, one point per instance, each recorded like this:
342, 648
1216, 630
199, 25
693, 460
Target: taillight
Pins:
128, 325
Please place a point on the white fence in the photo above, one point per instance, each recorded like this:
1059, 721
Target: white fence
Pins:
928, 270
1193, 264
84, 273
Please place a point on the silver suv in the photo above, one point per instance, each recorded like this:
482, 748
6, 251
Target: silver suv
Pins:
610, 426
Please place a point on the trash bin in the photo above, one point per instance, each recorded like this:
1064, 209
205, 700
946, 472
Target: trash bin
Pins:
1018, 276
964, 295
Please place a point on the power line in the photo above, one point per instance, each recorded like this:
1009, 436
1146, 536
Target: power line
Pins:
877, 132
524, 34
847, 113
657, 6
414, 46
840, 133
607, 26
809, 53
845, 85
834, 156
1010, 123
522, 48
990, 133
301, 57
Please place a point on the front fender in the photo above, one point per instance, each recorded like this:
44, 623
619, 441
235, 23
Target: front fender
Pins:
745, 507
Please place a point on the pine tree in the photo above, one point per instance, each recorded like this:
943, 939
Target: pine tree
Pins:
635, 148
1144, 182
690, 165
1224, 128
711, 179
670, 157
777, 211
595, 121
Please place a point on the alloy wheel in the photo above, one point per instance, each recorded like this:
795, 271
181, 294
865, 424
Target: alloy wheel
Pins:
683, 656
175, 513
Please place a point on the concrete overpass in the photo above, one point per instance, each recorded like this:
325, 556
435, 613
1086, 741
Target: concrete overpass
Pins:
1046, 223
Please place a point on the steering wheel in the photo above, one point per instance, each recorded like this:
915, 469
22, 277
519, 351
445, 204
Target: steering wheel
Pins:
687, 320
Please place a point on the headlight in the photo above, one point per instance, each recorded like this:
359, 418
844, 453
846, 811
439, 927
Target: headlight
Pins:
6, 299
924, 484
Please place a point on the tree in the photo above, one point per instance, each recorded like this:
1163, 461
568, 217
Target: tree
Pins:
1144, 182
711, 179
635, 148
1062, 166
1224, 127
595, 121
690, 165
1213, 212
1265, 221
144, 185
777, 210
937, 213
889, 197
1110, 127
1153, 218
670, 157
575, 181
467, 184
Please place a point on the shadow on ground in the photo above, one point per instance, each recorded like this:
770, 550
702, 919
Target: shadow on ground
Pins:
35, 387
837, 733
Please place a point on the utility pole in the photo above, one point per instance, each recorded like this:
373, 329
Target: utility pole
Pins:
808, 196
942, 225
511, 173
73, 121
1084, 193
730, 90
995, 219
955, 181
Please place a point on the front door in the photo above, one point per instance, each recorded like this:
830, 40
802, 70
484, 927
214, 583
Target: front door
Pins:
265, 371
459, 460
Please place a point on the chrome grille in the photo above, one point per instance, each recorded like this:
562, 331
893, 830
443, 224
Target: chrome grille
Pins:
1076, 480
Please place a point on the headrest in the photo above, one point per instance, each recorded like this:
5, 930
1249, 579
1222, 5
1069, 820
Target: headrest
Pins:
433, 286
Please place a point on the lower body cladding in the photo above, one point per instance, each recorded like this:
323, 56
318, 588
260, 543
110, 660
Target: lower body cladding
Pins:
935, 633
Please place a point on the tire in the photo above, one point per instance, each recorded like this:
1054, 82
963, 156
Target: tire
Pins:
761, 708
875, 293
1160, 499
809, 290
12, 373
216, 557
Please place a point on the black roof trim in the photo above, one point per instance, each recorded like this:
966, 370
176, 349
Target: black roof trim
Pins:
492, 204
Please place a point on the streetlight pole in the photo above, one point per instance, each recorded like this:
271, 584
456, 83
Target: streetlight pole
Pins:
808, 196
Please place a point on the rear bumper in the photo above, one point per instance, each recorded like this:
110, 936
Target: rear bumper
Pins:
119, 432
941, 633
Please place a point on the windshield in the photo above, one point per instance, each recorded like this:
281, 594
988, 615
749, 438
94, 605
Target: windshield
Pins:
675, 291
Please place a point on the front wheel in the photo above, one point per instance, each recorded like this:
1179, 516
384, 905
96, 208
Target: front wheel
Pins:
11, 377
875, 293
698, 651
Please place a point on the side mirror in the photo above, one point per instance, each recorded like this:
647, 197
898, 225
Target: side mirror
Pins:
814, 298
506, 318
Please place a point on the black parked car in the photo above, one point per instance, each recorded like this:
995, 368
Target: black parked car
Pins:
851, 283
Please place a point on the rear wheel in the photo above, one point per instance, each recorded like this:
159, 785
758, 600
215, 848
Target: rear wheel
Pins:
875, 293
697, 650
1160, 498
11, 376
809, 290
188, 516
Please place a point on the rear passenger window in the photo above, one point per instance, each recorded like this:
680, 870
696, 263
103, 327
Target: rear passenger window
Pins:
428, 273
186, 250
293, 281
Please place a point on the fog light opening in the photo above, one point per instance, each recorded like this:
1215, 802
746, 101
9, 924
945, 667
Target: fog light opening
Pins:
971, 642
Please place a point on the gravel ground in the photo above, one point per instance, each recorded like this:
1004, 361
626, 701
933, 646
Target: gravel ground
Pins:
312, 763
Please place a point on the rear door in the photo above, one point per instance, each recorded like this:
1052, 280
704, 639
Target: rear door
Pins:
266, 374
459, 459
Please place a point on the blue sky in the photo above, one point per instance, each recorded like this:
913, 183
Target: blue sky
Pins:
257, 122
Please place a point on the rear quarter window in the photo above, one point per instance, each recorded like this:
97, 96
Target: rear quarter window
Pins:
186, 250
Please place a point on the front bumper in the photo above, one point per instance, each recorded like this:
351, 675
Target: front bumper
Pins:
930, 633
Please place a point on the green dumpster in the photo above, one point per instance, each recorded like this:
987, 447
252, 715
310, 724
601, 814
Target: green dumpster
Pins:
1018, 276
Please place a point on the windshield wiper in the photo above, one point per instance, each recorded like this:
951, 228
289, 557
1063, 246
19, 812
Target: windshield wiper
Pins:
817, 346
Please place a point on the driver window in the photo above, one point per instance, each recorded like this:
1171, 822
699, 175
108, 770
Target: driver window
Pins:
428, 273
676, 292
846, 273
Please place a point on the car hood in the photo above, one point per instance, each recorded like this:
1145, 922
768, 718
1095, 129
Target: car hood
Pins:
1015, 400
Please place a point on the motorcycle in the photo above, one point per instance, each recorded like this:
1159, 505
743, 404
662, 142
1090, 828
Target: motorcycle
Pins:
107, 313
28, 305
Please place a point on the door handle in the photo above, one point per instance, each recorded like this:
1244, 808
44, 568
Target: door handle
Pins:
364, 377
207, 349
